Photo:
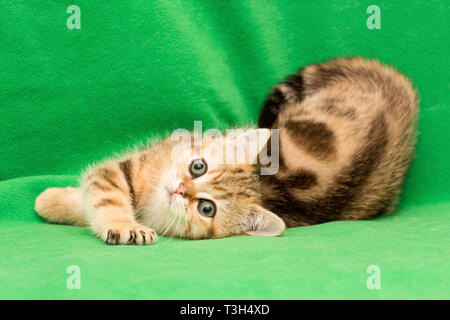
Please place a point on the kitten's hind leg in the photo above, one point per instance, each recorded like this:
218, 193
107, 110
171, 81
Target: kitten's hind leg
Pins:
61, 205
288, 92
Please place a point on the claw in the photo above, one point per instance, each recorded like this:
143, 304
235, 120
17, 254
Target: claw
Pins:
112, 238
132, 239
143, 236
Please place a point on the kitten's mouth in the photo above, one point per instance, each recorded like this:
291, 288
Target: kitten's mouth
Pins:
176, 204
172, 196
170, 193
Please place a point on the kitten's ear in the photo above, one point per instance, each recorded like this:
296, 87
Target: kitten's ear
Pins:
251, 141
262, 222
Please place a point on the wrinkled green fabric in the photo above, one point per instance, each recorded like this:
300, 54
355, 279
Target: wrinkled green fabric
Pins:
138, 69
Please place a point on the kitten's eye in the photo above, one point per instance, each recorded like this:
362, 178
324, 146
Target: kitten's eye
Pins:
207, 208
198, 168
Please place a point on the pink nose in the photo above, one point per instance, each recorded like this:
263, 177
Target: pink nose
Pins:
181, 190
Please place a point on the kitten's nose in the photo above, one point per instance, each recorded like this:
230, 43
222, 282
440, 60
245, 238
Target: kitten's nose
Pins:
181, 190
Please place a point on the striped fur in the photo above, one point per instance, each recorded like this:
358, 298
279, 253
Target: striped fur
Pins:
347, 137
131, 199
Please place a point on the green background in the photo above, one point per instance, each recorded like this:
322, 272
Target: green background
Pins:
141, 68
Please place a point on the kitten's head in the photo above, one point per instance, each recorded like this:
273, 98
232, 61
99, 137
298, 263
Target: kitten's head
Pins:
210, 191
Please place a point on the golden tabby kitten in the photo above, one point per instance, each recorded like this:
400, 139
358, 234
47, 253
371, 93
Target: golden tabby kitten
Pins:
170, 188
347, 135
346, 138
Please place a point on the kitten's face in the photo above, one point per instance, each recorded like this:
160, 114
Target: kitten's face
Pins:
200, 196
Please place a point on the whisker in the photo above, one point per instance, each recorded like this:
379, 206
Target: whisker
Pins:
171, 224
176, 229
171, 235
171, 221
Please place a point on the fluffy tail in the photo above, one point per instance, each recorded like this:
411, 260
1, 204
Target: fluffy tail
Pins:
61, 205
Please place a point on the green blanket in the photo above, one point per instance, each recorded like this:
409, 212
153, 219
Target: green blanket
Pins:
137, 69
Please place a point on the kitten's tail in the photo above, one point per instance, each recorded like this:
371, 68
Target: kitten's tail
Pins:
288, 92
61, 205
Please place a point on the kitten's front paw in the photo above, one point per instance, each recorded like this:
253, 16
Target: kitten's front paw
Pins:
129, 233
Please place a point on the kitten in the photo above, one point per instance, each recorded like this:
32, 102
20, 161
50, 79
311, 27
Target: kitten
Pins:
347, 136
170, 188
